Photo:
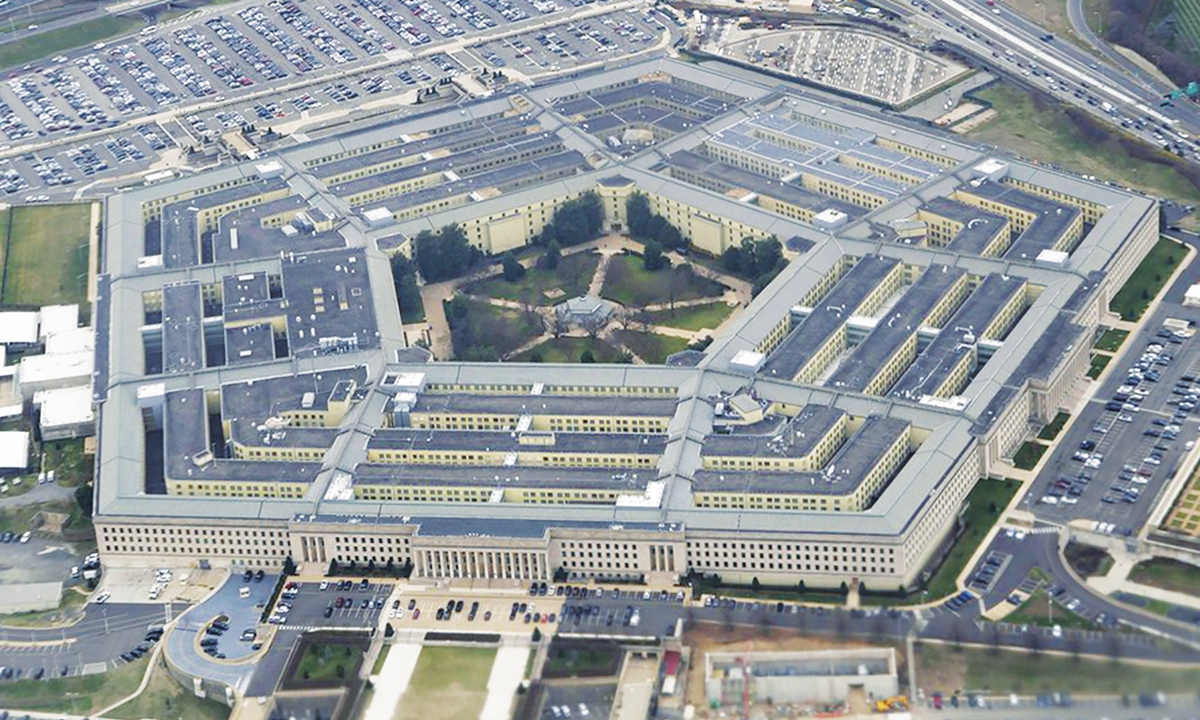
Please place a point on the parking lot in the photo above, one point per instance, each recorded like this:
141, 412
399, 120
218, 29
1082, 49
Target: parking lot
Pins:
1117, 456
355, 605
846, 59
579, 701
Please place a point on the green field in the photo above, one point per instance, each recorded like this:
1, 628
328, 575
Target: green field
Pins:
1111, 340
324, 662
1054, 427
488, 326
45, 255
1135, 295
1028, 455
1039, 611
65, 457
946, 669
1099, 362
694, 317
76, 695
984, 504
164, 698
1188, 12
51, 42
448, 683
1048, 135
1167, 575
630, 284
569, 350
652, 348
572, 276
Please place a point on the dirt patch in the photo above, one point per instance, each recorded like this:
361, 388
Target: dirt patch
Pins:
704, 638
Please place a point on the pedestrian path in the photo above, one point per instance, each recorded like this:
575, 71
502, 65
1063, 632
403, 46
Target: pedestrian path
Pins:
392, 680
507, 672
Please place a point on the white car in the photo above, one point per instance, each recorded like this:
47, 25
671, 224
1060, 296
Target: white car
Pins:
25, 536
1056, 631
102, 598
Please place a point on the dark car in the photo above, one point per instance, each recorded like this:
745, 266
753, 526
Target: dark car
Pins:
458, 606
258, 576
247, 576
441, 613
412, 604
328, 611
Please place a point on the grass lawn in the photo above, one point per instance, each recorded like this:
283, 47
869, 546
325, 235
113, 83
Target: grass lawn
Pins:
979, 518
1168, 575
76, 695
1145, 282
1099, 362
65, 457
51, 42
648, 346
942, 668
327, 662
576, 660
46, 255
572, 276
1028, 455
695, 317
71, 600
628, 283
383, 653
1158, 607
502, 329
1111, 340
1054, 427
1047, 134
1088, 561
448, 683
164, 698
569, 350
1037, 610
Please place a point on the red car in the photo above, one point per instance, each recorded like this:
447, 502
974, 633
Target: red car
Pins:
416, 613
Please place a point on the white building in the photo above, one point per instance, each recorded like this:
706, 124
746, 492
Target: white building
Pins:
18, 328
58, 318
66, 412
14, 452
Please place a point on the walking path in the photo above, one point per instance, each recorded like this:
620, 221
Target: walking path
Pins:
392, 680
507, 672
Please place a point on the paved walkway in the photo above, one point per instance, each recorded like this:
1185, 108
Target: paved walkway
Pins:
507, 672
392, 680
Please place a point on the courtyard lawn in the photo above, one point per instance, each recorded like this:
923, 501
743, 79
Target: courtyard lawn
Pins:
1028, 455
1099, 362
46, 255
1111, 340
449, 683
630, 284
1135, 295
322, 662
569, 350
487, 326
694, 317
1054, 427
571, 277
1168, 575
650, 347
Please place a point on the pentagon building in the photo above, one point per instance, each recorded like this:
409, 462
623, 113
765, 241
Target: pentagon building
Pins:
256, 398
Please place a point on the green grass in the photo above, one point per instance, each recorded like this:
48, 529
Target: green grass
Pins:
323, 662
1028, 455
1009, 671
630, 284
1167, 575
569, 350
1088, 561
383, 653
1037, 611
581, 660
979, 518
1111, 340
1054, 427
1158, 607
164, 698
648, 346
71, 601
46, 255
1047, 134
572, 276
43, 45
75, 695
1099, 362
1147, 280
694, 317
487, 325
65, 457
448, 683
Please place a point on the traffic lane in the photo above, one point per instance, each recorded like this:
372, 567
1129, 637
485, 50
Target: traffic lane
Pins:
69, 650
98, 620
1013, 564
269, 668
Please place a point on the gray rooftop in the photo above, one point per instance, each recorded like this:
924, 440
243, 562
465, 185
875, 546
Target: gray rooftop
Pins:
979, 226
543, 404
330, 308
182, 328
796, 439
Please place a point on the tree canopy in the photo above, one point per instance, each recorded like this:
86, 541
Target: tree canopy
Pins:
445, 254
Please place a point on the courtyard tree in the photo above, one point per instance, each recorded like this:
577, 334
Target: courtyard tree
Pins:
513, 269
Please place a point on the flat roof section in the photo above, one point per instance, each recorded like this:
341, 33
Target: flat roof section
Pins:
504, 441
507, 477
599, 101
329, 308
261, 398
901, 323
240, 235
245, 289
180, 236
249, 344
979, 226
796, 439
942, 355
830, 313
182, 328
607, 406
1052, 221
185, 430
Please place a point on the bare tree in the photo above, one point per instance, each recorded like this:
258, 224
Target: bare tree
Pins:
624, 316
528, 300
641, 319
556, 323
593, 324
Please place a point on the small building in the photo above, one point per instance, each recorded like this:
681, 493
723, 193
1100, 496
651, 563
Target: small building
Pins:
585, 310
826, 676
47, 372
58, 318
1191, 298
18, 329
66, 412
14, 452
